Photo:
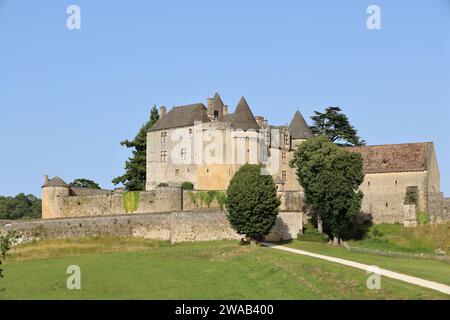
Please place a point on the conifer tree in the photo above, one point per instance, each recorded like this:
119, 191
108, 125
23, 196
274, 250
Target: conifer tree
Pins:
135, 167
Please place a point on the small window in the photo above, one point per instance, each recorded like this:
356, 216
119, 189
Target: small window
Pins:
183, 153
368, 183
283, 175
163, 136
177, 171
283, 157
286, 138
387, 205
187, 170
216, 115
163, 156
396, 182
207, 170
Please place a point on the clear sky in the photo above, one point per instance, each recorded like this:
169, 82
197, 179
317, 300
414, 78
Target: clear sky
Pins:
68, 97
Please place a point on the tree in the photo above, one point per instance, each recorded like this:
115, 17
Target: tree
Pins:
252, 202
84, 183
330, 177
20, 206
135, 168
335, 125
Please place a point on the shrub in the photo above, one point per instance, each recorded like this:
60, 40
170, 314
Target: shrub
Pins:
187, 185
221, 199
163, 184
423, 218
252, 202
210, 196
5, 243
202, 196
194, 197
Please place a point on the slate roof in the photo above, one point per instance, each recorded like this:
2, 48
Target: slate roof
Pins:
298, 128
182, 116
55, 182
242, 118
395, 157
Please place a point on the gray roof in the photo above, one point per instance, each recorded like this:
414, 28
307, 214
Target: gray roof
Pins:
55, 182
182, 116
298, 128
243, 118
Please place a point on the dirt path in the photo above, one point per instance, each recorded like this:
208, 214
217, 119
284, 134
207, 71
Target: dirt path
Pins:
394, 275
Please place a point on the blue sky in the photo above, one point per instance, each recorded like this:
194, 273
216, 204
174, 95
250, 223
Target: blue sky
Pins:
68, 97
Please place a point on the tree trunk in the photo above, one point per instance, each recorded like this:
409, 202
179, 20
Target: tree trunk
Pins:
319, 225
335, 241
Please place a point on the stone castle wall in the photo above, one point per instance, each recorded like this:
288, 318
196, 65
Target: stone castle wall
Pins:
162, 199
176, 226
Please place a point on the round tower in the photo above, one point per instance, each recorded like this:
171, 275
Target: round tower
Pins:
53, 193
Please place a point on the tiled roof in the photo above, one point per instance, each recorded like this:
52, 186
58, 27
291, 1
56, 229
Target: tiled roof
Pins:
182, 116
55, 182
298, 128
243, 118
395, 157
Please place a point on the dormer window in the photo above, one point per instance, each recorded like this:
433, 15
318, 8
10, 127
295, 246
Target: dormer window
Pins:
286, 138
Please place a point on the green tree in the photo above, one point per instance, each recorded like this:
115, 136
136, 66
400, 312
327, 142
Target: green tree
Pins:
330, 177
84, 183
21, 206
335, 125
252, 202
135, 167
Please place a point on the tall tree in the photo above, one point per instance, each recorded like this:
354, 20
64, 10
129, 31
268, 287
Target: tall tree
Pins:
20, 206
334, 124
135, 167
330, 177
252, 202
84, 183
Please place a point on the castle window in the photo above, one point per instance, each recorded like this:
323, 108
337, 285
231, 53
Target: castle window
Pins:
207, 170
216, 115
368, 183
187, 170
163, 136
283, 158
177, 171
183, 153
396, 182
387, 205
286, 138
163, 156
283, 175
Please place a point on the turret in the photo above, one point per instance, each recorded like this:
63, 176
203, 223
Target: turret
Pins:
53, 193
298, 130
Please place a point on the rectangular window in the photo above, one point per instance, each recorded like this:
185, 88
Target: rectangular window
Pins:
286, 138
183, 153
177, 171
163, 156
283, 158
163, 136
283, 175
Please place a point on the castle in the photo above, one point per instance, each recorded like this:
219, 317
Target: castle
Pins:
206, 145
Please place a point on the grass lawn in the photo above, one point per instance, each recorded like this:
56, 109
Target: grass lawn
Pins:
141, 269
423, 268
394, 237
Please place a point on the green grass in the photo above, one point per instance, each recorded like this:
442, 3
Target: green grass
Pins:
424, 268
138, 269
394, 237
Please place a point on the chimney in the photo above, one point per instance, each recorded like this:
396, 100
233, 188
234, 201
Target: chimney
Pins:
225, 109
46, 179
260, 121
162, 111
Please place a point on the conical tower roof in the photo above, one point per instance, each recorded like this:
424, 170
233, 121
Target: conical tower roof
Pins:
243, 117
55, 182
217, 100
298, 128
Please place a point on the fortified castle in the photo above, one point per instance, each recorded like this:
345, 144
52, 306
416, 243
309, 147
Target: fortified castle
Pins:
206, 145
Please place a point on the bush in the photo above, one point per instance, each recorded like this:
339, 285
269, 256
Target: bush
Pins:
221, 199
187, 185
423, 218
310, 233
210, 196
163, 184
